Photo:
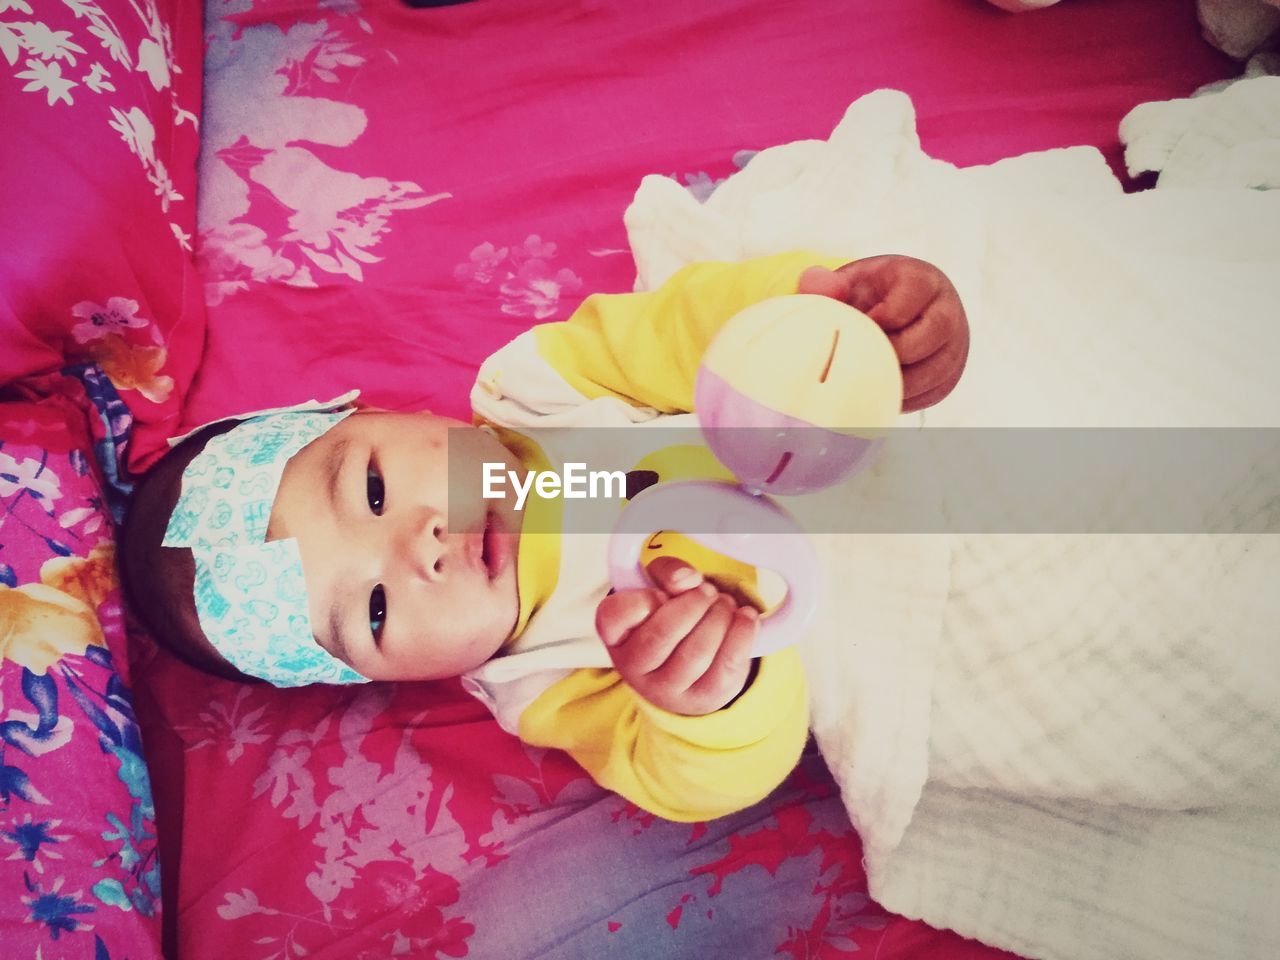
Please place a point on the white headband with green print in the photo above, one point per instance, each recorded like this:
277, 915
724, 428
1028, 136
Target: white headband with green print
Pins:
251, 595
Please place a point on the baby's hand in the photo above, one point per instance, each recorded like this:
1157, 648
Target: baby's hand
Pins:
920, 310
683, 646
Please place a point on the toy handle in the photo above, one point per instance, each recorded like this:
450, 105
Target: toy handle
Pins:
733, 522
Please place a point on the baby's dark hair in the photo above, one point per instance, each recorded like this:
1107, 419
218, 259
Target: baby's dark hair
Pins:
159, 581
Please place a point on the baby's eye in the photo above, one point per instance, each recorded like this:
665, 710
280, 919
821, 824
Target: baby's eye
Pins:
377, 611
375, 491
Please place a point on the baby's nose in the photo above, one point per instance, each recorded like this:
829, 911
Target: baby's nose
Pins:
424, 544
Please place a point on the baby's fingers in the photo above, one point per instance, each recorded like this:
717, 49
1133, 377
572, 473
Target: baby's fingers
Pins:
927, 381
822, 282
673, 575
926, 336
620, 612
892, 290
694, 654
648, 645
903, 303
728, 672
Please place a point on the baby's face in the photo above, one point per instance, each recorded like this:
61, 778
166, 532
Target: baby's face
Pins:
403, 584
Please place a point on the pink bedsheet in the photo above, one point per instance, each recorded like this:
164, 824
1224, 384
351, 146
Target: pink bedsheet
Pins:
384, 208
387, 196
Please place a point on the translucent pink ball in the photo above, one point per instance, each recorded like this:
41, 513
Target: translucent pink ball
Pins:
769, 451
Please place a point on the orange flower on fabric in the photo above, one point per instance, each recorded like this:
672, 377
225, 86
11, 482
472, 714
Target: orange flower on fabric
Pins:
40, 625
88, 578
133, 367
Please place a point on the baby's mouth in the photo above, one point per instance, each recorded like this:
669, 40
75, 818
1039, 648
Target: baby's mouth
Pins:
482, 549
495, 551
486, 546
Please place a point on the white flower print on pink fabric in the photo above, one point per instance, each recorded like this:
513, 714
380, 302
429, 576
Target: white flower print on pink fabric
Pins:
90, 516
30, 475
47, 77
242, 904
534, 248
527, 284
236, 723
359, 813
63, 64
482, 266
97, 79
273, 209
50, 44
535, 290
96, 321
315, 51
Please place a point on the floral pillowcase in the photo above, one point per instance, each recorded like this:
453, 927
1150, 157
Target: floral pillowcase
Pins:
101, 102
79, 870
101, 331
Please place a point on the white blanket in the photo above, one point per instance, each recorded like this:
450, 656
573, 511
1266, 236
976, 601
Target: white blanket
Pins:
1064, 745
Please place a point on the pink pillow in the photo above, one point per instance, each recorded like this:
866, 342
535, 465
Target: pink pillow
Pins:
100, 104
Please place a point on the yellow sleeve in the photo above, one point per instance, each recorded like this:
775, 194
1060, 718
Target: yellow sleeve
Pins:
681, 768
645, 347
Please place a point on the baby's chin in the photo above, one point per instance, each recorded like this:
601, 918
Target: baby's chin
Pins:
506, 634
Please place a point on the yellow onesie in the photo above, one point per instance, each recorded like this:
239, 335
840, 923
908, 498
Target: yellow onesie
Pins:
627, 360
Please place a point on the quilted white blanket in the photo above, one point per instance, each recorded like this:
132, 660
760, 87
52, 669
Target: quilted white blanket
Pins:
1064, 745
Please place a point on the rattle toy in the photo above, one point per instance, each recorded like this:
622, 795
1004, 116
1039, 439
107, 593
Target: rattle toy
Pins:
792, 396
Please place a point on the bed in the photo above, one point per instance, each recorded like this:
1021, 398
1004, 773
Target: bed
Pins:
382, 197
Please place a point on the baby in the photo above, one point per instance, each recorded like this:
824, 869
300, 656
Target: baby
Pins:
328, 544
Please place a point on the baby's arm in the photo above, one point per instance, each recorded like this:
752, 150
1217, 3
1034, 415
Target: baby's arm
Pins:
645, 348
687, 726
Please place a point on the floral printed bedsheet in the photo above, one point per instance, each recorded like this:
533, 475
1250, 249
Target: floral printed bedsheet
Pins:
387, 195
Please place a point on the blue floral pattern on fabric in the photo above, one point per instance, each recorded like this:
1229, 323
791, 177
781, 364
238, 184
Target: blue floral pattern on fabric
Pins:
111, 434
79, 865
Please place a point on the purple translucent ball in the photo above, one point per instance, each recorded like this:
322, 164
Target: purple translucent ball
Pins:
769, 451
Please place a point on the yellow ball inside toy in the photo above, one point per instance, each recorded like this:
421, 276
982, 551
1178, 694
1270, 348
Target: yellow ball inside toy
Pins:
813, 358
